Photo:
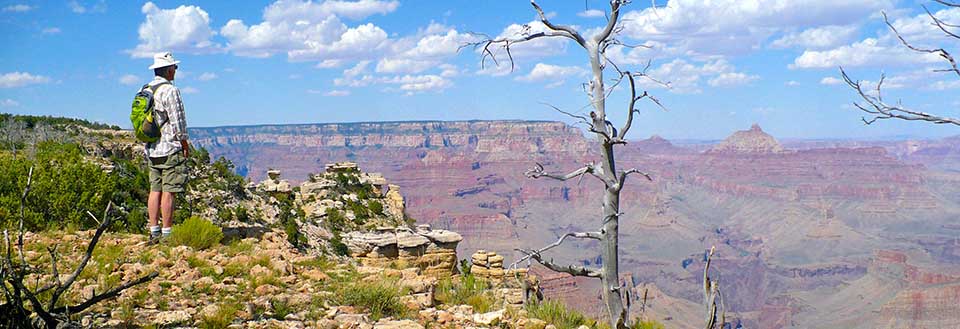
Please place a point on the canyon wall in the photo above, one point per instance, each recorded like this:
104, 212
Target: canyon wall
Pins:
792, 224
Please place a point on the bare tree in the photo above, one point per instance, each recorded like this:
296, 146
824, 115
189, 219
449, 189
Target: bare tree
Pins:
15, 313
615, 296
712, 298
879, 109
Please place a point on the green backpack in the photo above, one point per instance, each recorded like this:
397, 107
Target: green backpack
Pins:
144, 122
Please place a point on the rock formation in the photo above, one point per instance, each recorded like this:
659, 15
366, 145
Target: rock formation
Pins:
432, 251
749, 141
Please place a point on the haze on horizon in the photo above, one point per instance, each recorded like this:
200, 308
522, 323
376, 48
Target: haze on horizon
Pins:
730, 63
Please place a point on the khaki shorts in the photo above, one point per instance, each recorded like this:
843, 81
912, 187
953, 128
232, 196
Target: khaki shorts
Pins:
169, 173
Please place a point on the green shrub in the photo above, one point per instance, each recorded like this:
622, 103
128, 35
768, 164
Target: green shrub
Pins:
380, 299
339, 248
466, 289
222, 318
281, 308
196, 232
648, 324
336, 221
375, 207
557, 314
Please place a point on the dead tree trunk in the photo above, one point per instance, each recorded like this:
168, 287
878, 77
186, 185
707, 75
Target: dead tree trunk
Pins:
615, 298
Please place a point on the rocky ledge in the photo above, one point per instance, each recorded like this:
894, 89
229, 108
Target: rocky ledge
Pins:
432, 251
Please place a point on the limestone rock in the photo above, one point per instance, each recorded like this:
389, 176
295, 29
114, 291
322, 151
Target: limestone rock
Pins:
172, 317
401, 324
488, 319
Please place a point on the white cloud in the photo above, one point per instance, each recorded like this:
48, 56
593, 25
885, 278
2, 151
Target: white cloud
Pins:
189, 90
684, 77
50, 30
823, 37
307, 30
330, 64
314, 11
884, 49
355, 76
830, 81
359, 42
868, 52
20, 79
554, 74
449, 70
942, 85
420, 83
18, 8
920, 30
592, 13
182, 29
129, 79
337, 93
533, 49
77, 7
207, 76
728, 27
390, 65
9, 103
791, 83
428, 49
271, 37
727, 79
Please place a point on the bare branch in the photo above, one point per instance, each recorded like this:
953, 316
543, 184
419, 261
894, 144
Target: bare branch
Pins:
941, 24
570, 32
940, 51
86, 257
623, 176
875, 106
948, 3
578, 235
574, 270
590, 168
611, 22
107, 295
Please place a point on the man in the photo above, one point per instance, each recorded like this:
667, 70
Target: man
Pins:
167, 156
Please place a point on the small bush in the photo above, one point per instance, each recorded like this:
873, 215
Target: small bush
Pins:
648, 324
281, 308
375, 207
380, 299
468, 290
222, 318
557, 314
197, 233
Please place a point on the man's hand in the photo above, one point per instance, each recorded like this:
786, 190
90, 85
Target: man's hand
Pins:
185, 146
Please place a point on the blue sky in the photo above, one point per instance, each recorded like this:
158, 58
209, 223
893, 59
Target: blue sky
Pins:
730, 63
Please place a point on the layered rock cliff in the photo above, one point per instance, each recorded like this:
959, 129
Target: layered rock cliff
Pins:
789, 224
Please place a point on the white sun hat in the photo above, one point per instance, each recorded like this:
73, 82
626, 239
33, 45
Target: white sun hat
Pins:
162, 60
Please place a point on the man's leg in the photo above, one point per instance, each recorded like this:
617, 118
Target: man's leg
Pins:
166, 208
153, 207
153, 202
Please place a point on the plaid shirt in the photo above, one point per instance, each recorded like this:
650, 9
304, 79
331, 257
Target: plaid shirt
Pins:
168, 108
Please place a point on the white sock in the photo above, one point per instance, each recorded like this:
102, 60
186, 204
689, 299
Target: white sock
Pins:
154, 230
166, 231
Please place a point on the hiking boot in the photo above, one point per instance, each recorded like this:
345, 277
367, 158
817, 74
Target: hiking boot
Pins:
154, 239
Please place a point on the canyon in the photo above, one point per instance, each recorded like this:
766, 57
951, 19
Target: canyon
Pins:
812, 234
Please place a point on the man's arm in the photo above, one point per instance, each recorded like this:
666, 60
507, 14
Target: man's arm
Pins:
179, 121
